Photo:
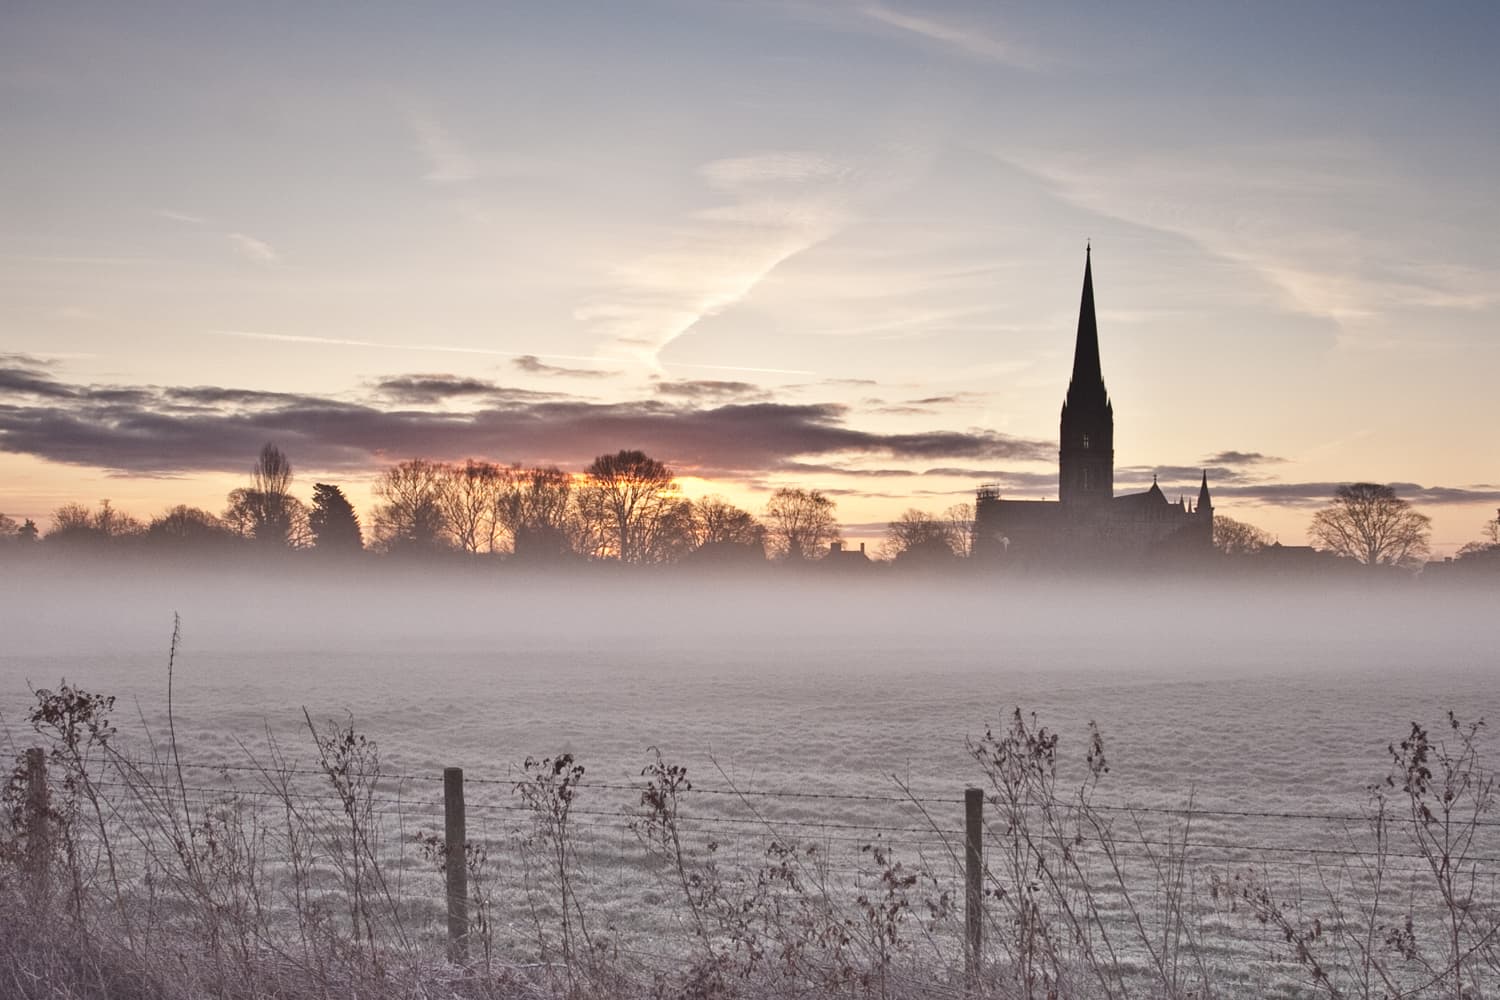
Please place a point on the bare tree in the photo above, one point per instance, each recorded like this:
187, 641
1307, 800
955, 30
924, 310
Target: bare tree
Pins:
629, 506
75, 523
960, 518
1369, 523
71, 519
537, 509
1489, 540
272, 474
469, 495
1236, 538
800, 524
411, 516
918, 536
190, 527
265, 510
716, 521
276, 523
673, 535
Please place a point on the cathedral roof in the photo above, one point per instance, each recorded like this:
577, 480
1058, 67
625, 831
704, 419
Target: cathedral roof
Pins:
1153, 497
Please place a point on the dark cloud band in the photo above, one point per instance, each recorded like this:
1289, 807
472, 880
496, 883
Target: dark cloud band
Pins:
150, 430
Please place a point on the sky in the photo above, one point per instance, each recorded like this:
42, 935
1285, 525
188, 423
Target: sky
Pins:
833, 245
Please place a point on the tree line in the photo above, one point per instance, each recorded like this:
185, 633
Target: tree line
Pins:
627, 507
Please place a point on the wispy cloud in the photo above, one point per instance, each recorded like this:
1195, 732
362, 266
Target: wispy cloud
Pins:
183, 217
969, 38
292, 338
711, 390
1319, 493
1242, 458
430, 389
533, 365
448, 161
1294, 213
253, 249
773, 205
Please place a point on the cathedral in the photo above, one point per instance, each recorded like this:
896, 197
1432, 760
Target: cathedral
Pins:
1088, 524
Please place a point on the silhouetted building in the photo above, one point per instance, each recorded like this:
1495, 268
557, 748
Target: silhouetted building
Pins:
1088, 524
838, 553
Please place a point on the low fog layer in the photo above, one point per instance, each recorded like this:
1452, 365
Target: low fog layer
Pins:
1196, 624
1281, 697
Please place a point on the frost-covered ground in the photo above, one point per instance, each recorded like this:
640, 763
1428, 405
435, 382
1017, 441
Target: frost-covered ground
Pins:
1241, 698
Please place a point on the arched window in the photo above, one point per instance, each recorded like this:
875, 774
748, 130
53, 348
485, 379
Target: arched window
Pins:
1085, 442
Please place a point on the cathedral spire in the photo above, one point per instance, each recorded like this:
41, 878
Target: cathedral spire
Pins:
1204, 503
1088, 378
1086, 469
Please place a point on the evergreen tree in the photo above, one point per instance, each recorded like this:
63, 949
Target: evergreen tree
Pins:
334, 524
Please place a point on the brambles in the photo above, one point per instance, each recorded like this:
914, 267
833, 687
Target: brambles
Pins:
547, 790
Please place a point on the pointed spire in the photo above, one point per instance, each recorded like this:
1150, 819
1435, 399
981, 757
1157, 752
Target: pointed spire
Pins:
1087, 375
1204, 503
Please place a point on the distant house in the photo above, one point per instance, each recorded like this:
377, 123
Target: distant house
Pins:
839, 555
1088, 524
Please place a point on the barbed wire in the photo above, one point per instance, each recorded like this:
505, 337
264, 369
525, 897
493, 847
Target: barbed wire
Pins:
805, 828
913, 800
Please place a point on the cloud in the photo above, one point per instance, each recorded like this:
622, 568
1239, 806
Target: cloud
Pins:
290, 338
1319, 494
17, 359
775, 205
448, 162
430, 389
815, 469
710, 389
20, 374
1241, 458
1294, 214
153, 430
1217, 474
968, 38
183, 217
735, 172
253, 249
533, 365
1030, 483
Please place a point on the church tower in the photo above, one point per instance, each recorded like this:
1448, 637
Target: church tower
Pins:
1087, 460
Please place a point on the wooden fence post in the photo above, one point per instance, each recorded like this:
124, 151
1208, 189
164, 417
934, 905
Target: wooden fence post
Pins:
973, 883
38, 825
455, 869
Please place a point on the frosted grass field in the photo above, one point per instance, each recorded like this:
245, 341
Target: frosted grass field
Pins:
1247, 700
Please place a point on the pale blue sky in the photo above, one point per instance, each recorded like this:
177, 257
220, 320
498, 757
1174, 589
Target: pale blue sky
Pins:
879, 207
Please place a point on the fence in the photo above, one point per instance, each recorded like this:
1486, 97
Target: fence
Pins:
1029, 865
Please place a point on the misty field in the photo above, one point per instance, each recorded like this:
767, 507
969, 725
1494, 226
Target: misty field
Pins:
829, 731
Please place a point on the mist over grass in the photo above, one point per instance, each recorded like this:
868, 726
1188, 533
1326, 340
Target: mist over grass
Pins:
1277, 698
1198, 622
